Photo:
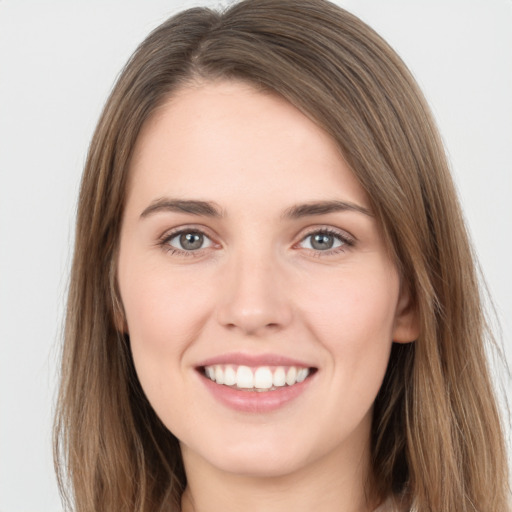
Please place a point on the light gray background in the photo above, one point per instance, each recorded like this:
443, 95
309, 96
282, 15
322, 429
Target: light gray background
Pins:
58, 60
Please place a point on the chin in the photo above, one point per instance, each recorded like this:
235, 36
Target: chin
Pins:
257, 458
259, 466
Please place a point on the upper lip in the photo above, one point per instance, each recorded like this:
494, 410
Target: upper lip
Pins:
254, 360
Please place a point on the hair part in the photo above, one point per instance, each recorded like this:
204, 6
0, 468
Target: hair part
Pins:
437, 442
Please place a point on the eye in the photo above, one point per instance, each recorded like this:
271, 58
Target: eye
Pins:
188, 241
324, 240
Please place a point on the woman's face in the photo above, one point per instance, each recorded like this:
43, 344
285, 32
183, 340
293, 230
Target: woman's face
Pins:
260, 301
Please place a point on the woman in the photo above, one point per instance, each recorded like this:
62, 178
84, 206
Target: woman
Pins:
273, 301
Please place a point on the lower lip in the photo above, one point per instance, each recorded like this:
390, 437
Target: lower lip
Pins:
256, 401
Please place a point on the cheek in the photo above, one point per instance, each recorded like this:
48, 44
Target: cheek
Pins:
163, 310
355, 302
353, 316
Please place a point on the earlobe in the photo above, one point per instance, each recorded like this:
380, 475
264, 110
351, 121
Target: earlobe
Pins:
406, 327
118, 314
120, 320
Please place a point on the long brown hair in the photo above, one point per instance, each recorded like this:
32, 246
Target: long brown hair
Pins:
437, 443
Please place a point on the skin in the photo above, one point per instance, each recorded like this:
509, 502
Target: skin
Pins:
257, 286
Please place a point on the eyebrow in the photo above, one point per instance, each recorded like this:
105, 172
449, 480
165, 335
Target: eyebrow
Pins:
194, 207
324, 207
210, 209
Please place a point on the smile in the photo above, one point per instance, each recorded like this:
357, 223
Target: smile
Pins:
259, 379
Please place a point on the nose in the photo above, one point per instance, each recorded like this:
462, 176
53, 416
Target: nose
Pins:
253, 296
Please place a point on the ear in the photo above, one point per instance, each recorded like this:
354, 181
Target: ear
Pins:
406, 327
119, 319
117, 312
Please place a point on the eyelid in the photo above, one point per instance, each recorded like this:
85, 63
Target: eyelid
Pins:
163, 240
346, 238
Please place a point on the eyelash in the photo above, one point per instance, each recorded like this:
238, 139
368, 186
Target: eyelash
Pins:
167, 237
346, 242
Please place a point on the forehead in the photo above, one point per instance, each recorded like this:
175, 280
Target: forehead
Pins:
226, 139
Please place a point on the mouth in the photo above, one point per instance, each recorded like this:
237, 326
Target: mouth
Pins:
259, 379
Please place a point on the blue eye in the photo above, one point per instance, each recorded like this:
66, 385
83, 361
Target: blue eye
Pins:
189, 241
323, 241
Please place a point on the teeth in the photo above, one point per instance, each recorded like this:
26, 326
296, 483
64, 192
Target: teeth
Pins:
219, 375
229, 376
279, 378
244, 377
291, 376
302, 374
262, 378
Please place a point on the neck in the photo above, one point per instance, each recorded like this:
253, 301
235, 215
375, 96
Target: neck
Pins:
327, 485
